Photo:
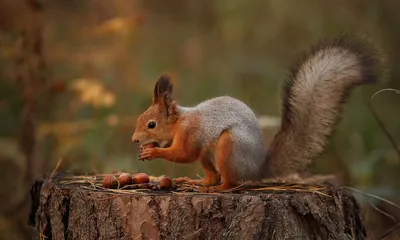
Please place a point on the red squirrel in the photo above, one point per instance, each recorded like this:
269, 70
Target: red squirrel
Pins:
224, 135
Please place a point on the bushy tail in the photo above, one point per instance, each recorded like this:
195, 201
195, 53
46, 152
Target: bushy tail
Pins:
313, 98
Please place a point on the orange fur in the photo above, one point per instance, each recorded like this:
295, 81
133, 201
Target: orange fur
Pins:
223, 152
211, 176
182, 149
163, 112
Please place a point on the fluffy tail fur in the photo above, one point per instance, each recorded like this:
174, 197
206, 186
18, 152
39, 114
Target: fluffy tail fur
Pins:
313, 98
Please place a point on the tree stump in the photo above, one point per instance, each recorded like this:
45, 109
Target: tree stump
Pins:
80, 210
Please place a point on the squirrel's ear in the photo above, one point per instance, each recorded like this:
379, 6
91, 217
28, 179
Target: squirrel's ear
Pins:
163, 85
167, 105
155, 94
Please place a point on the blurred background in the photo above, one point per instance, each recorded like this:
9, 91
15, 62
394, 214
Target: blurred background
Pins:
74, 75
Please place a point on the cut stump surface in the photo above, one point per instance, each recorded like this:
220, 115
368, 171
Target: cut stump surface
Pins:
81, 211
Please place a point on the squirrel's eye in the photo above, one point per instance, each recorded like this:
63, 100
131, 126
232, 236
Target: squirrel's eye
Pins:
152, 125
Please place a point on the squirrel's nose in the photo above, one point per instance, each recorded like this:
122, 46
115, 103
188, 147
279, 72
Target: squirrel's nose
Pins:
134, 139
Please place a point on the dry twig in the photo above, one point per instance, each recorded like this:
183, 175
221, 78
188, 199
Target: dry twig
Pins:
379, 121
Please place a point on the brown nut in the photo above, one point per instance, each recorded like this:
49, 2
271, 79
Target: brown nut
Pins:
149, 145
110, 181
124, 179
141, 178
165, 183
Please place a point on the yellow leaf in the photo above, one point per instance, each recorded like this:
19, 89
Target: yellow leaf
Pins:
114, 25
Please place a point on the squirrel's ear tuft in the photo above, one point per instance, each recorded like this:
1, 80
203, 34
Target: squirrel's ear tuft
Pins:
167, 106
163, 85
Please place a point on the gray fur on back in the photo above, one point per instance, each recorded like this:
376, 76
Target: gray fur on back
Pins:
227, 113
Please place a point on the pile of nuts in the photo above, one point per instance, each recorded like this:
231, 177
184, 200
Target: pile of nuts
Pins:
138, 180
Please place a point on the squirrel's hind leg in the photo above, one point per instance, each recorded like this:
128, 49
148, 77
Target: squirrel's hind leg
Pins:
223, 154
211, 176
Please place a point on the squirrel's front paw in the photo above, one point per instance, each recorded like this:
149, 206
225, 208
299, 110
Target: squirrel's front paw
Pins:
149, 154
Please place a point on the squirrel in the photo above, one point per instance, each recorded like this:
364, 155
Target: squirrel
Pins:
223, 133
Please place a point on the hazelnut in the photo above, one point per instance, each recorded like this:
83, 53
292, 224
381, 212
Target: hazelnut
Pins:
149, 145
141, 178
165, 183
110, 181
124, 179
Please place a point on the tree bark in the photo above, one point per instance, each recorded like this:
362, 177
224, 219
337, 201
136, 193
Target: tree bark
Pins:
69, 211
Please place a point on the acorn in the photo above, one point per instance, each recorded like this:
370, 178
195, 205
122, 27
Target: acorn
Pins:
165, 183
141, 178
124, 179
110, 181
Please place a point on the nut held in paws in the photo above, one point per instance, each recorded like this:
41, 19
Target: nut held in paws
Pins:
150, 145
